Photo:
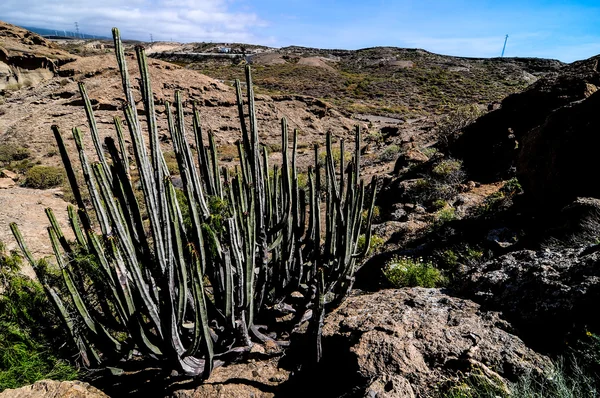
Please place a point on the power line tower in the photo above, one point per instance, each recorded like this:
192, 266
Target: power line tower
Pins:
504, 48
151, 39
77, 29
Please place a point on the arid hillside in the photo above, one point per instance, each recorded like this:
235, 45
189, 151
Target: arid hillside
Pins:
317, 91
386, 81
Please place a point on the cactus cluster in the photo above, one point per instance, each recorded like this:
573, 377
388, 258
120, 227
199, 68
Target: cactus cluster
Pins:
196, 292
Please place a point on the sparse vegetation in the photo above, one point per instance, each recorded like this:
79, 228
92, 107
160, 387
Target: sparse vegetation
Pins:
440, 184
408, 272
376, 243
28, 347
43, 177
565, 379
390, 153
444, 215
11, 153
455, 120
501, 199
380, 88
337, 157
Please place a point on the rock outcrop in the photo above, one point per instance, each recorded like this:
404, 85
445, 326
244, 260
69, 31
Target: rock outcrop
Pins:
27, 59
544, 294
489, 146
55, 389
408, 342
558, 158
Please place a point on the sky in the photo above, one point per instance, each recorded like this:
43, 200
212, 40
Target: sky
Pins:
567, 30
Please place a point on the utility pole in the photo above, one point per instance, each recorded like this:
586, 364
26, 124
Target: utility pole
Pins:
504, 48
77, 29
151, 39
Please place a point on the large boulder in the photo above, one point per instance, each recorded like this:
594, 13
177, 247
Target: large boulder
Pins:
544, 294
489, 146
558, 157
409, 342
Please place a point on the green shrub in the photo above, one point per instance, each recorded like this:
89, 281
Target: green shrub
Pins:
476, 385
375, 137
376, 242
564, 379
439, 204
512, 187
390, 153
302, 180
337, 157
10, 153
472, 254
440, 184
406, 272
447, 169
445, 215
43, 177
429, 151
376, 215
28, 351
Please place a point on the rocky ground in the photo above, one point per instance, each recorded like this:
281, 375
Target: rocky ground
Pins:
496, 204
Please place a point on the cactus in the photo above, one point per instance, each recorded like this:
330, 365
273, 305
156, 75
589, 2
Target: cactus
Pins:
196, 294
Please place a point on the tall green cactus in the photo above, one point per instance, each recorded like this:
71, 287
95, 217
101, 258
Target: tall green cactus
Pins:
195, 294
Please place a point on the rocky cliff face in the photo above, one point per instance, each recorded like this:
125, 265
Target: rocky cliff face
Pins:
491, 145
27, 59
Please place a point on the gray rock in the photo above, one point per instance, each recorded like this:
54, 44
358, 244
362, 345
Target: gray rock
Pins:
545, 294
407, 342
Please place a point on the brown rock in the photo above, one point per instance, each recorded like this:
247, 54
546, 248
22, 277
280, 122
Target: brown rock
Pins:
10, 174
254, 379
6, 183
27, 59
55, 389
407, 342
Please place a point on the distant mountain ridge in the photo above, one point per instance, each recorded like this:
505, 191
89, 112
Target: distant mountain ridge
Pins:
62, 33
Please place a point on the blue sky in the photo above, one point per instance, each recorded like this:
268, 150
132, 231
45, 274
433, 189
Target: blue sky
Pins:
565, 30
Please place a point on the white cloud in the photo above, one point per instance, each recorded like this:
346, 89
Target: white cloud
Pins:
180, 20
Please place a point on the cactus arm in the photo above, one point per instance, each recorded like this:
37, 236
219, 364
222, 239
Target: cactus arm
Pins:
21, 242
120, 55
76, 227
214, 173
58, 230
179, 263
240, 105
122, 147
129, 251
92, 124
91, 184
75, 296
201, 330
71, 177
82, 344
368, 232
